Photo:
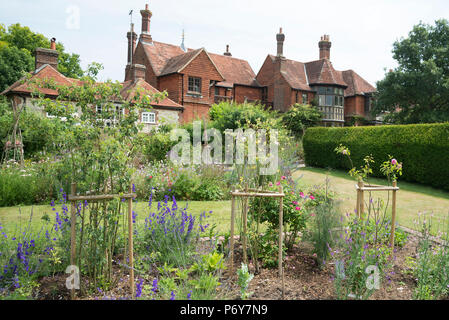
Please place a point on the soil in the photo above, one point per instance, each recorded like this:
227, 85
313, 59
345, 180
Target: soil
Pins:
303, 280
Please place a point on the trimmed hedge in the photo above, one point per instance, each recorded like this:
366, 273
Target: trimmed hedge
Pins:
422, 148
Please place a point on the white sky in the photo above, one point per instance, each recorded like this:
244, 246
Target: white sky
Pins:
362, 32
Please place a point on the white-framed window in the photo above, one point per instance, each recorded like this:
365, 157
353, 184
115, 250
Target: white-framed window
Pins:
149, 117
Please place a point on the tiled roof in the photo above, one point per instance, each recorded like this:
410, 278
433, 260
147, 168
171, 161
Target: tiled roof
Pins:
167, 58
46, 72
301, 75
356, 84
177, 63
234, 70
159, 53
295, 74
322, 72
130, 86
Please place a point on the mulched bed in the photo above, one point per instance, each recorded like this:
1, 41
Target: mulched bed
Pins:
303, 280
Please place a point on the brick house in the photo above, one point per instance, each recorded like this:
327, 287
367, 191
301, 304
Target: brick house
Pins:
46, 64
195, 79
340, 95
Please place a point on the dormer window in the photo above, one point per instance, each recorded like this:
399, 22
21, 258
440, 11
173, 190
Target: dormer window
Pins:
194, 85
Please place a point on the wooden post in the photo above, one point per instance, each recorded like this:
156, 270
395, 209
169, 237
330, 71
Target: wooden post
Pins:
231, 249
130, 241
393, 215
245, 222
281, 223
361, 200
73, 235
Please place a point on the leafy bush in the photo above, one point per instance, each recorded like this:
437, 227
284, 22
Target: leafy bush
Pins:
299, 117
227, 115
155, 146
423, 149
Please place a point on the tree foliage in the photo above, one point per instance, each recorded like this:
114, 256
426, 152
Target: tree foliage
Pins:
299, 117
17, 46
417, 91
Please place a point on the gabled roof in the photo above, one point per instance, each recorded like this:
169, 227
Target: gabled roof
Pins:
234, 71
295, 74
322, 72
167, 58
129, 90
356, 84
45, 72
179, 63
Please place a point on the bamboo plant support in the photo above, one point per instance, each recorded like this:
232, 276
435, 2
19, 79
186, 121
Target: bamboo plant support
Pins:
246, 194
73, 198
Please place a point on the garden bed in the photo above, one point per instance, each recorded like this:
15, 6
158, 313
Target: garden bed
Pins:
303, 279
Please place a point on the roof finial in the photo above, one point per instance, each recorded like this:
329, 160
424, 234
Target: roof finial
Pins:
182, 43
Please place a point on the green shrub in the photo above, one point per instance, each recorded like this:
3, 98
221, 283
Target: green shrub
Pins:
155, 146
423, 149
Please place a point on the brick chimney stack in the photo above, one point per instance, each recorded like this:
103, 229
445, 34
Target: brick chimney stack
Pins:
227, 53
280, 37
138, 71
279, 98
146, 18
132, 37
325, 47
47, 56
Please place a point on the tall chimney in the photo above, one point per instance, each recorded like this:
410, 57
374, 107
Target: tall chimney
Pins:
280, 37
279, 98
47, 56
325, 47
227, 53
132, 37
146, 17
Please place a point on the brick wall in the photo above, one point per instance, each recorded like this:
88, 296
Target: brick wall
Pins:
266, 78
250, 93
173, 84
194, 111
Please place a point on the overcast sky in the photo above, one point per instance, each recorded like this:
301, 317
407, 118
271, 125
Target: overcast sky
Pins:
362, 32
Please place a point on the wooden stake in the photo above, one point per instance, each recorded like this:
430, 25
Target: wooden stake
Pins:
393, 216
362, 200
130, 241
231, 249
245, 222
73, 235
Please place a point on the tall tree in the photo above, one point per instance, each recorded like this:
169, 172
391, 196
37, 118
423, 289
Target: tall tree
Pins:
19, 44
417, 91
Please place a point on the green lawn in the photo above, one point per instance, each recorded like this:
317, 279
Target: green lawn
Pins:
411, 199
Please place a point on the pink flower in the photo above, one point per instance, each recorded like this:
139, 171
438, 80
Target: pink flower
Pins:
278, 183
302, 194
298, 208
394, 161
295, 202
312, 197
283, 177
270, 184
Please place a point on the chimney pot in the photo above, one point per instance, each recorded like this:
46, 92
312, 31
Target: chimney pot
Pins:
325, 47
146, 19
280, 37
53, 44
